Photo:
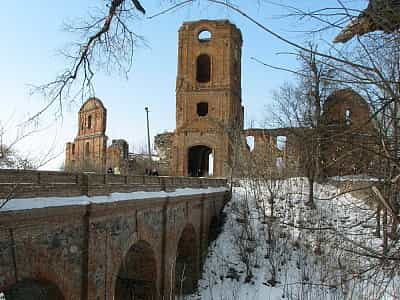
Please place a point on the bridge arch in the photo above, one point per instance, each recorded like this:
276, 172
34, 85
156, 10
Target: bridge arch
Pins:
137, 274
33, 289
186, 264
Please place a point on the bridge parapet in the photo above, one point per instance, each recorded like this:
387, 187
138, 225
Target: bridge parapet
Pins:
26, 184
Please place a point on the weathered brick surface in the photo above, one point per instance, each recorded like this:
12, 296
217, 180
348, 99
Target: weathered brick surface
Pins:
351, 140
81, 249
43, 246
88, 150
222, 93
27, 184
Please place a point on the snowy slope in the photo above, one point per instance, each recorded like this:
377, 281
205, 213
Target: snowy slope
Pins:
314, 253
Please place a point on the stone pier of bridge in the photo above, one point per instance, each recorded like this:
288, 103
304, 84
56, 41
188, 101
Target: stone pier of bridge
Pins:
87, 236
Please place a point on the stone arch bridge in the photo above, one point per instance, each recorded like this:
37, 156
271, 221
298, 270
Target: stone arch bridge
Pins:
86, 236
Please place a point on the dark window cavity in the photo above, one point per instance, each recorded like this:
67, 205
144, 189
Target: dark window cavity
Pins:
89, 125
203, 70
87, 148
202, 109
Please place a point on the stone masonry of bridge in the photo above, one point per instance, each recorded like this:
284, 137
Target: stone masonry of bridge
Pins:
110, 249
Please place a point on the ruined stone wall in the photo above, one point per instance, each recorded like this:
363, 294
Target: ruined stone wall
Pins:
163, 145
117, 157
350, 139
276, 151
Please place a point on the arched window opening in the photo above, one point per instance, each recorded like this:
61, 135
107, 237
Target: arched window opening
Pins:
89, 125
203, 70
348, 116
250, 142
87, 148
202, 109
204, 36
281, 142
73, 149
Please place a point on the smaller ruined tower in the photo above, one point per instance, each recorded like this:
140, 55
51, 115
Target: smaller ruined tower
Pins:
88, 151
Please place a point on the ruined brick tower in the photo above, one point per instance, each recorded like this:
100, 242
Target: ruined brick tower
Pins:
88, 151
208, 98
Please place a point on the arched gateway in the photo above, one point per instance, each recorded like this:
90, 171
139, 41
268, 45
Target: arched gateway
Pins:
200, 161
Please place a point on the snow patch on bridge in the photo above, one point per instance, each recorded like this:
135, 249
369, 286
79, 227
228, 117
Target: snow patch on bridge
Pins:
42, 202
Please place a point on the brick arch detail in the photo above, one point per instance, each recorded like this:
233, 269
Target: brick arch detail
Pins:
130, 242
51, 278
200, 144
180, 232
192, 228
213, 149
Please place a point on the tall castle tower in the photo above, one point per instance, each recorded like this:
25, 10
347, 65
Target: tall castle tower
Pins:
88, 151
208, 98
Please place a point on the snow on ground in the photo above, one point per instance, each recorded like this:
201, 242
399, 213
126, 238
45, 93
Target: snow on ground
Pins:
41, 202
361, 177
314, 253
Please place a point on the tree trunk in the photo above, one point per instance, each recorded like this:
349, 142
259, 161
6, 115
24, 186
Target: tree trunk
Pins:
385, 231
310, 201
378, 221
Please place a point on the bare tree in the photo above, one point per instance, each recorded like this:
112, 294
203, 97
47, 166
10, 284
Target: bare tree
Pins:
108, 41
300, 106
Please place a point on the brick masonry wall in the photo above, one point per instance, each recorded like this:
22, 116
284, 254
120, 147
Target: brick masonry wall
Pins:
27, 184
80, 249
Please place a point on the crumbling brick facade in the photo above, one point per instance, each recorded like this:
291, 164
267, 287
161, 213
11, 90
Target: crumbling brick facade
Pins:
163, 145
209, 116
89, 151
350, 138
274, 151
208, 97
347, 137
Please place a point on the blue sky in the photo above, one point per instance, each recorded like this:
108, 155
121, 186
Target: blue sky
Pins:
32, 35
